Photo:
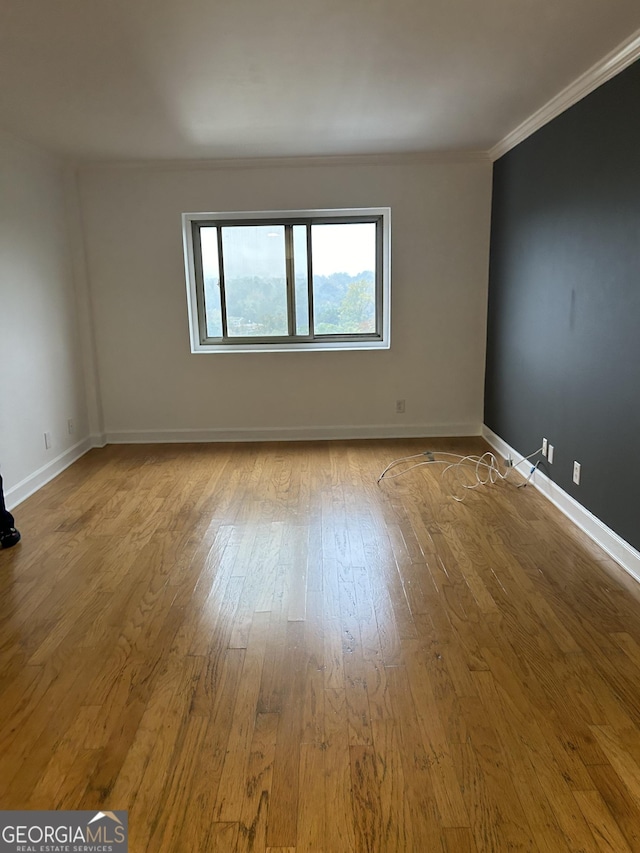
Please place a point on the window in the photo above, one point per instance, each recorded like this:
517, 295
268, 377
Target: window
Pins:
288, 280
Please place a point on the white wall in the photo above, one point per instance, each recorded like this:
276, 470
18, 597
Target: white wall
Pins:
41, 381
153, 388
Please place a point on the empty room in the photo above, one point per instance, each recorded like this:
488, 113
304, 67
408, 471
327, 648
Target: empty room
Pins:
319, 410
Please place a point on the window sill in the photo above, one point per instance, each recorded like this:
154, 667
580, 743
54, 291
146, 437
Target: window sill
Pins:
328, 346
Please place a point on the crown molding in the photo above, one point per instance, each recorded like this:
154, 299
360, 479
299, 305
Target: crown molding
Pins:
613, 63
406, 159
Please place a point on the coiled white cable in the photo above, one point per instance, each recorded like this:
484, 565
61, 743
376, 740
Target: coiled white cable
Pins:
486, 468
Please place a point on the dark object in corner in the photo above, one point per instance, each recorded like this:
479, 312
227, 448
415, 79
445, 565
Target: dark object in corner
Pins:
9, 536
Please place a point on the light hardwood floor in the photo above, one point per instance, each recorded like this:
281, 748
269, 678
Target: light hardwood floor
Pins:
256, 647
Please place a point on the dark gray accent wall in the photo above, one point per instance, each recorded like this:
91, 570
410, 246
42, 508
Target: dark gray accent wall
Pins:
563, 345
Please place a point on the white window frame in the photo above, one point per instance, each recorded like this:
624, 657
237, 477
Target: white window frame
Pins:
382, 339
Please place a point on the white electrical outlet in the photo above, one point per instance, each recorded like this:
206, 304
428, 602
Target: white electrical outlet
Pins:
550, 454
545, 446
47, 441
576, 473
399, 407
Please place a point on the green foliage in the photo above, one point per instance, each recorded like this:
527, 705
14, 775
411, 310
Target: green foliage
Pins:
257, 306
344, 304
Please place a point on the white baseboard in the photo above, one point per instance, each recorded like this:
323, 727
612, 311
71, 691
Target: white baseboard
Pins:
291, 433
24, 489
615, 546
98, 440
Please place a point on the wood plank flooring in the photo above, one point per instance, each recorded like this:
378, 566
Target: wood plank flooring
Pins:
256, 647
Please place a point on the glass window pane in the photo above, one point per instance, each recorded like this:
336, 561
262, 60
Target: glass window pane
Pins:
344, 283
301, 278
255, 280
211, 276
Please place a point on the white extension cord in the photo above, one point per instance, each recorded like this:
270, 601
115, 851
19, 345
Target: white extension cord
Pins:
486, 468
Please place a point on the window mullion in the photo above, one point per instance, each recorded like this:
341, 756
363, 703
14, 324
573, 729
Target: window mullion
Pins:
223, 300
291, 283
312, 331
378, 275
200, 300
